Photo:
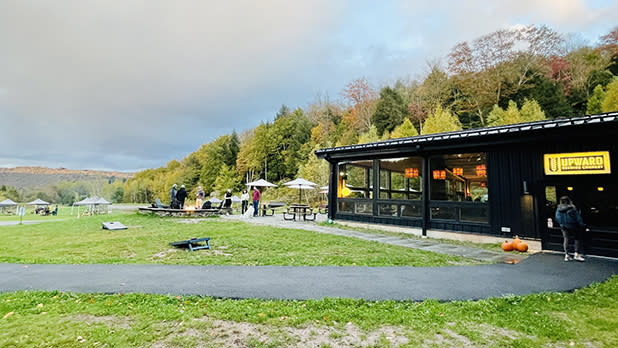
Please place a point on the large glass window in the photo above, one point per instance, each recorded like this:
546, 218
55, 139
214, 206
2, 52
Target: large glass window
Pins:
459, 177
355, 179
400, 178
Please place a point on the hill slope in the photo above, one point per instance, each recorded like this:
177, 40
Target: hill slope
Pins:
26, 177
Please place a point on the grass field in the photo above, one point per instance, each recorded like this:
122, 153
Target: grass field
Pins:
82, 240
585, 318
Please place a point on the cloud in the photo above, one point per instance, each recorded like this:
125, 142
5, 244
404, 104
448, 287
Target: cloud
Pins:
122, 77
133, 84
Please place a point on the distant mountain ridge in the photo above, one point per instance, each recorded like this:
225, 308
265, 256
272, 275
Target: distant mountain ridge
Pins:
42, 176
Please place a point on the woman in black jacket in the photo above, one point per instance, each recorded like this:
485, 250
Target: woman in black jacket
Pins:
181, 195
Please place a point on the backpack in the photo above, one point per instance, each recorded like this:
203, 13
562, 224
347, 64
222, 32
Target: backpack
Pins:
207, 205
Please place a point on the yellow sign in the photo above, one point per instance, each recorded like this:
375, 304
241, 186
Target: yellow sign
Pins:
577, 163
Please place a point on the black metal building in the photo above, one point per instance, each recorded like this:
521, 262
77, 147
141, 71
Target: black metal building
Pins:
496, 181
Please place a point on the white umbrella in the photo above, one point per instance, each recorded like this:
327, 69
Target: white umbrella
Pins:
300, 181
235, 199
214, 200
261, 183
301, 184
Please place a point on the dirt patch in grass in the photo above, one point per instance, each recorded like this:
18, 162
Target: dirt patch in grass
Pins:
107, 320
225, 333
163, 254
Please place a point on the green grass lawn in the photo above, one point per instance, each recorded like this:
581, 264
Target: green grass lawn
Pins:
584, 318
82, 240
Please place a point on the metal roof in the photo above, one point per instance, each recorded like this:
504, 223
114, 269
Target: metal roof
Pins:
477, 133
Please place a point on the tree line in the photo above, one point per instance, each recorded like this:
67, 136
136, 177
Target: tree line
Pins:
504, 77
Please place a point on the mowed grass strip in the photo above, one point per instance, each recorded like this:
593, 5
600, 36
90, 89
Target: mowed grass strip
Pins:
233, 243
584, 318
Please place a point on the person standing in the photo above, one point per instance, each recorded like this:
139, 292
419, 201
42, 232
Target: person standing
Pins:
572, 225
255, 197
244, 201
227, 201
199, 197
173, 192
181, 195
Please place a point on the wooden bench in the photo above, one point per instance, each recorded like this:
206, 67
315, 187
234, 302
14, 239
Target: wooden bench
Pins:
192, 244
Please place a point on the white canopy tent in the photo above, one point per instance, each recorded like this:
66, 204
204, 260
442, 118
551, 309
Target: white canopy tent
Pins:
7, 203
93, 203
38, 202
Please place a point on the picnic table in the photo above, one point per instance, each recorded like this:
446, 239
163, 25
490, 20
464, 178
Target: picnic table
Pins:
193, 243
271, 206
299, 210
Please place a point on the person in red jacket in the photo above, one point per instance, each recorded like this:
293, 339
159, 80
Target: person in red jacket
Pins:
255, 196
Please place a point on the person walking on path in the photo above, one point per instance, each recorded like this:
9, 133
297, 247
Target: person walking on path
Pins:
572, 225
199, 197
181, 195
244, 201
255, 196
173, 192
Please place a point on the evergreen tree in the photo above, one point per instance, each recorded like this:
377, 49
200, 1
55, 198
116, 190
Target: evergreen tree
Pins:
390, 111
442, 120
406, 129
370, 136
610, 102
531, 111
595, 101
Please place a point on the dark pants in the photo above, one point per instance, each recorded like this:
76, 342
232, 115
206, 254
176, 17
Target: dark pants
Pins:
244, 206
572, 234
256, 207
182, 204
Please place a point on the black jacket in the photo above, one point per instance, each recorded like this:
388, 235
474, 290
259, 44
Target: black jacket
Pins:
181, 194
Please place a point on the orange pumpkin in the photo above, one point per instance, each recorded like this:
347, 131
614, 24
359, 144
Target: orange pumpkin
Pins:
516, 241
507, 246
523, 247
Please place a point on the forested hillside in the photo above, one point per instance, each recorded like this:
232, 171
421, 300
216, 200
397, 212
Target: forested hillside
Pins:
508, 76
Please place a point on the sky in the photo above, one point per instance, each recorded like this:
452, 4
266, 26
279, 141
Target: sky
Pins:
129, 84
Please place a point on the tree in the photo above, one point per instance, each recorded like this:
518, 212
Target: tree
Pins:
529, 112
390, 110
227, 179
362, 100
548, 93
315, 169
370, 136
441, 120
500, 117
406, 129
595, 101
610, 102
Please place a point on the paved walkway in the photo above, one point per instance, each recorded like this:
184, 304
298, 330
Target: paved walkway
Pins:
416, 243
538, 273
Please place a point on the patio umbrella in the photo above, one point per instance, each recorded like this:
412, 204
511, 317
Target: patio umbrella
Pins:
215, 200
301, 184
235, 199
260, 183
